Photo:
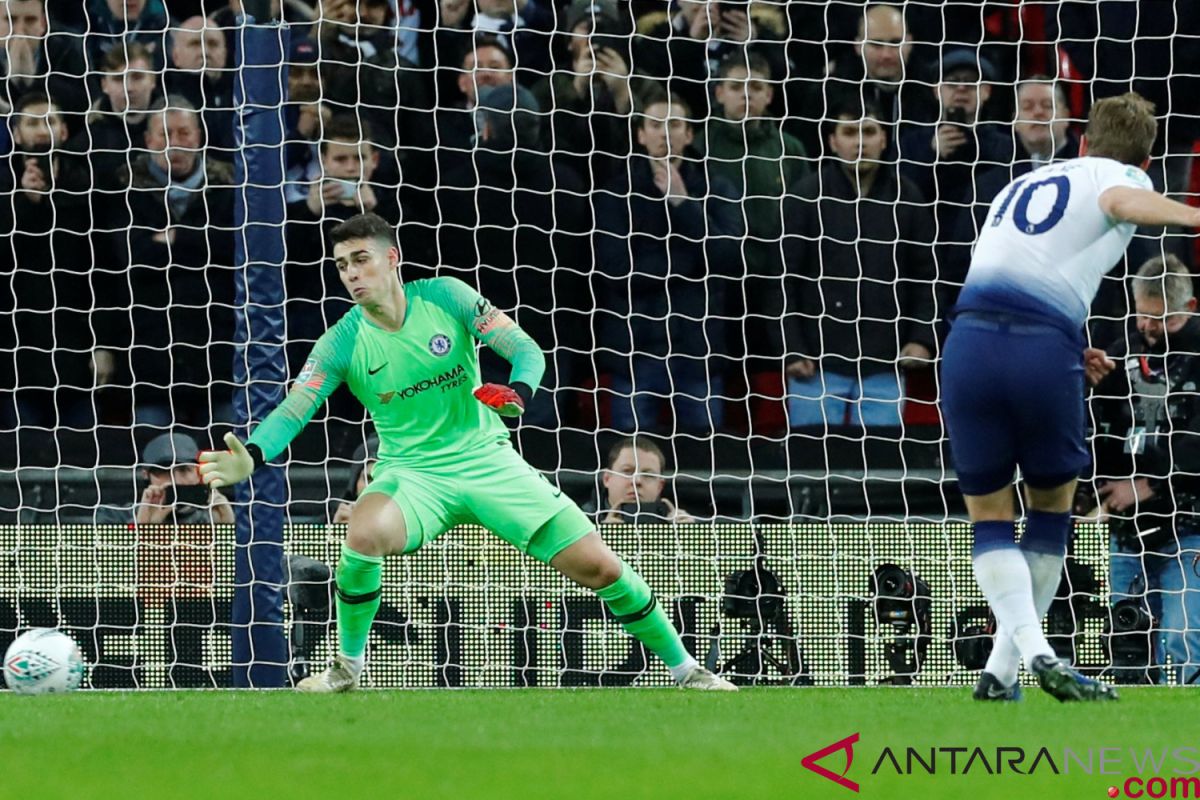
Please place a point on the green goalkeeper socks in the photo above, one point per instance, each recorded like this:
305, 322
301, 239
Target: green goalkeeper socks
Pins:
637, 609
358, 586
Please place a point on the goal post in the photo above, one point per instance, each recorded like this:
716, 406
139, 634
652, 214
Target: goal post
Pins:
259, 651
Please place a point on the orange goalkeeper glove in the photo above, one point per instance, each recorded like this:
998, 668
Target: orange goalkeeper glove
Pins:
504, 400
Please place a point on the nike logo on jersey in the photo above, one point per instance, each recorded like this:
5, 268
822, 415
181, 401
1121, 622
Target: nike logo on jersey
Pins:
381, 366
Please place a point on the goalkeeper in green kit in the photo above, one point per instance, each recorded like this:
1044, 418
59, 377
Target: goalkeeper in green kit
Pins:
407, 352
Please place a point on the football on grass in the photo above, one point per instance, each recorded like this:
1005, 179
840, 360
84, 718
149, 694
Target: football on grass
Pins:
43, 661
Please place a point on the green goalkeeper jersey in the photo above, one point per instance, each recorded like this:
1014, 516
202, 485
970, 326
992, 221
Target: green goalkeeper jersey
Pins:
416, 382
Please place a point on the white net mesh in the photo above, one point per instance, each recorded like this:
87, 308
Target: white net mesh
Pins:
736, 230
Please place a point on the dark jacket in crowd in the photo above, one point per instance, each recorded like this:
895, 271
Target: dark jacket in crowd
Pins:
860, 271
516, 225
950, 182
180, 294
48, 326
109, 143
1146, 415
760, 162
585, 127
663, 271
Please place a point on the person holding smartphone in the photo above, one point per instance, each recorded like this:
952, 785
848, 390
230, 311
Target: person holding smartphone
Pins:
944, 157
172, 492
633, 486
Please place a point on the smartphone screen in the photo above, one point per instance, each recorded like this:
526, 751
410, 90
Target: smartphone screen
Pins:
190, 495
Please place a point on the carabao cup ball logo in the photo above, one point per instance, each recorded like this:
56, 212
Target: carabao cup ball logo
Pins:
439, 345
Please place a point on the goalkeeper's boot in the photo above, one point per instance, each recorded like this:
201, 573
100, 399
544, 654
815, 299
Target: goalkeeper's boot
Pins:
700, 678
338, 678
990, 688
1059, 680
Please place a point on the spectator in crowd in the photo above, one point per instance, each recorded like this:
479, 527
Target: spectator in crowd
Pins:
487, 63
749, 150
200, 71
303, 76
684, 48
1043, 129
515, 223
49, 337
35, 59
365, 456
522, 27
114, 23
1043, 123
116, 123
943, 159
172, 492
1043, 134
306, 118
667, 257
345, 187
179, 226
1147, 449
633, 485
362, 73
877, 72
349, 159
589, 100
860, 300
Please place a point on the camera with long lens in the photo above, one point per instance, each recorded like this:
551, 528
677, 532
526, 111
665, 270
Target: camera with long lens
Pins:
754, 601
1075, 601
1128, 642
752, 594
901, 600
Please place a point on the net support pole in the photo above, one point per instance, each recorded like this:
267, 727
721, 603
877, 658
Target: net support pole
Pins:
260, 651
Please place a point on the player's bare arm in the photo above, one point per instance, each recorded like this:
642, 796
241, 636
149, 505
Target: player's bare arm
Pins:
1144, 207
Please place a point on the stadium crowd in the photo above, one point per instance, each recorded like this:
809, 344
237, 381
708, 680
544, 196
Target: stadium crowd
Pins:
678, 201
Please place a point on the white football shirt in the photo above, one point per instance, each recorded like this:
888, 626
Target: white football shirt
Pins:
1046, 245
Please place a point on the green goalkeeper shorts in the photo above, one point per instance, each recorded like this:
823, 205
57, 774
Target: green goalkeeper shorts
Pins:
495, 488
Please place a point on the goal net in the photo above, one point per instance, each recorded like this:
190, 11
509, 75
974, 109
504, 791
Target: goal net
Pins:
736, 231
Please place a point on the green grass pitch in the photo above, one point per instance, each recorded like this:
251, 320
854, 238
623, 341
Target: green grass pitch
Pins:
575, 744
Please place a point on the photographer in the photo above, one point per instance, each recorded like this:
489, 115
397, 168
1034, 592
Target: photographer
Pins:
173, 493
633, 486
1147, 446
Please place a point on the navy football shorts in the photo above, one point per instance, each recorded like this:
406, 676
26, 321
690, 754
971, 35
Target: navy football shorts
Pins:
1013, 395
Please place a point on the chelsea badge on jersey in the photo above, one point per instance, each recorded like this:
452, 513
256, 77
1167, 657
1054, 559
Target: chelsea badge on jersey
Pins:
439, 345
